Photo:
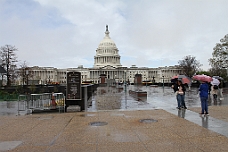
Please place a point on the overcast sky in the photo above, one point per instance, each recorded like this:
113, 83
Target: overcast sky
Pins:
148, 33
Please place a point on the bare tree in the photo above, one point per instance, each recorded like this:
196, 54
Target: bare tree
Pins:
9, 59
219, 59
189, 65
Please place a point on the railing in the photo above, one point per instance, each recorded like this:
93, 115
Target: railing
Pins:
39, 102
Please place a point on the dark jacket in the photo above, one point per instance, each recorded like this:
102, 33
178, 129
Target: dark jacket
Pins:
183, 88
175, 87
204, 89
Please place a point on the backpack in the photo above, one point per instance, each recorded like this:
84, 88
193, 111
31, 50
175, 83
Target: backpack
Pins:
215, 87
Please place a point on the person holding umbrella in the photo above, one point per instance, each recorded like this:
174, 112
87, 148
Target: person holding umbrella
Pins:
175, 89
179, 89
204, 91
220, 86
214, 88
181, 95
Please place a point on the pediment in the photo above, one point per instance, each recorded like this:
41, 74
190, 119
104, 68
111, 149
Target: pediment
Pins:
108, 67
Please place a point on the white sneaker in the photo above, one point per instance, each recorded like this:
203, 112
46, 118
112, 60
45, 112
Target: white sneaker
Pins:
201, 114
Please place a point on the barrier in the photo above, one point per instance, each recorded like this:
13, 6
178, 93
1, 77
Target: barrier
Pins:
41, 102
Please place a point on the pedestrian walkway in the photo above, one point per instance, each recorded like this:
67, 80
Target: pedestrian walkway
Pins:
114, 130
147, 126
208, 122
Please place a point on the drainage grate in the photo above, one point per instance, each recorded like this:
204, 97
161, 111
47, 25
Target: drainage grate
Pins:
98, 123
147, 120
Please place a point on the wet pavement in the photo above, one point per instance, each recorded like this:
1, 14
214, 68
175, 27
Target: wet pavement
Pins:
157, 98
109, 98
117, 121
164, 98
8, 108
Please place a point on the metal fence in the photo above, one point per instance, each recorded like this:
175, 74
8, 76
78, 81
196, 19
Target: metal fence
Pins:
39, 102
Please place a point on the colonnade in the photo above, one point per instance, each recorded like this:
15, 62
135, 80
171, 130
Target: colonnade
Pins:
107, 59
117, 75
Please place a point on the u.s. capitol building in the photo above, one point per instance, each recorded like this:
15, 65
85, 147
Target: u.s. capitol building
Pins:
106, 61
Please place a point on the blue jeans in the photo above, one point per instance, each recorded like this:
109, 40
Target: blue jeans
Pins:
204, 104
180, 100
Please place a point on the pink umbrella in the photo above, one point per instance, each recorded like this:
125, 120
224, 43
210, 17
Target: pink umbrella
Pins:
202, 77
175, 77
184, 79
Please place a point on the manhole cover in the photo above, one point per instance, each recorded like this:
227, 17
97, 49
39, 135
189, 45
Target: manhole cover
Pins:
98, 123
147, 120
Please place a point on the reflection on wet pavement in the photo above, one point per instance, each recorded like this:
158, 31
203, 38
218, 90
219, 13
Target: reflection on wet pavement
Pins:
157, 98
8, 108
109, 98
164, 98
205, 122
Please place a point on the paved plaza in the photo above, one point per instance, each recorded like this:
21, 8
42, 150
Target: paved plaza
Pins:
157, 128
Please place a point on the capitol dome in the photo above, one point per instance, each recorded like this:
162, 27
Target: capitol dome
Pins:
107, 53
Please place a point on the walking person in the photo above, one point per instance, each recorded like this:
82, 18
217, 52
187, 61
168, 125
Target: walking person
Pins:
214, 92
181, 95
204, 91
209, 90
175, 89
221, 90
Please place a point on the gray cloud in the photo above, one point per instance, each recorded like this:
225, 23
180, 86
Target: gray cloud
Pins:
148, 33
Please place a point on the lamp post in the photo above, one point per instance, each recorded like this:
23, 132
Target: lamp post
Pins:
125, 88
125, 85
163, 81
146, 82
26, 73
